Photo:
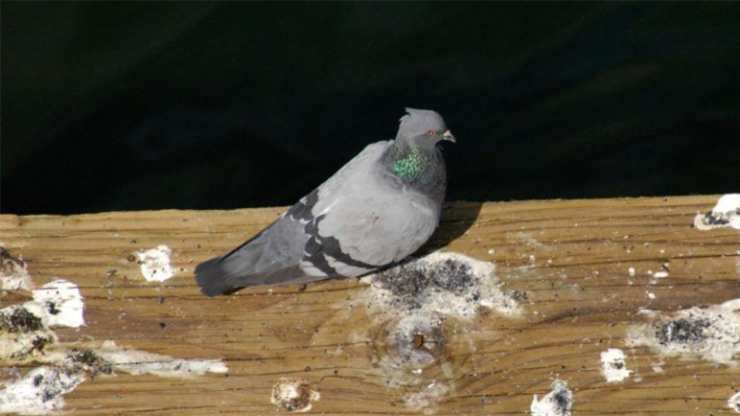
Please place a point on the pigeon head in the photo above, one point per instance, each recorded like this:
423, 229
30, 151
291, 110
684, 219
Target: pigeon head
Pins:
423, 125
415, 156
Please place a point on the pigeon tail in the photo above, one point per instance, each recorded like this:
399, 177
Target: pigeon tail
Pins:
212, 278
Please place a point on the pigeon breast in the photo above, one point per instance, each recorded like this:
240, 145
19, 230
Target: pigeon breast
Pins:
364, 218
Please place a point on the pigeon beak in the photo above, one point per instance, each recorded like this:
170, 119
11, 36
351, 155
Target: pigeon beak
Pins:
447, 135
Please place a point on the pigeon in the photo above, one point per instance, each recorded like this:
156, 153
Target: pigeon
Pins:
371, 214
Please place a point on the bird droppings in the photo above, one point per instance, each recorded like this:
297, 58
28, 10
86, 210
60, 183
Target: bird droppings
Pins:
13, 273
62, 302
155, 263
293, 395
660, 274
417, 309
725, 214
711, 333
23, 346
426, 399
682, 331
614, 366
23, 331
141, 362
557, 402
40, 391
19, 320
409, 283
440, 283
26, 339
24, 328
657, 367
734, 402
89, 361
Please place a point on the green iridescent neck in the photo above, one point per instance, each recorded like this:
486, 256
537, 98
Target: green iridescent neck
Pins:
410, 164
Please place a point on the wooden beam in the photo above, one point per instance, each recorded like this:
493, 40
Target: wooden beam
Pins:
587, 275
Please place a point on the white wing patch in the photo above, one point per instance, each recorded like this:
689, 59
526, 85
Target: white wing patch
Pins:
311, 270
345, 269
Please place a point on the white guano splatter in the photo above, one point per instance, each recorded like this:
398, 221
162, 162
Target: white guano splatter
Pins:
293, 395
614, 366
155, 263
734, 402
13, 272
57, 303
62, 303
711, 333
141, 362
725, 214
557, 402
439, 302
40, 391
60, 370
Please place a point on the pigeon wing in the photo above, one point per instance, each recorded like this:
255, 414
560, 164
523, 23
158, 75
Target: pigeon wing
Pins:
285, 251
365, 230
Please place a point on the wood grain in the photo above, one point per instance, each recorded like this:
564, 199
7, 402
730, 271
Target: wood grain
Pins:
568, 260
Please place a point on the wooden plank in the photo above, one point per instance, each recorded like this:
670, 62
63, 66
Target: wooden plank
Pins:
567, 263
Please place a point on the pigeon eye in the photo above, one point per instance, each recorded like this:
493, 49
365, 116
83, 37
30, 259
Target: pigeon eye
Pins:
430, 132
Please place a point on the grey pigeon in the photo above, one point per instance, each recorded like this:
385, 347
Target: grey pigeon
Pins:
375, 211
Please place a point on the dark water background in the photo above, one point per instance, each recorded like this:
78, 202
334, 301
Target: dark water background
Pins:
220, 105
